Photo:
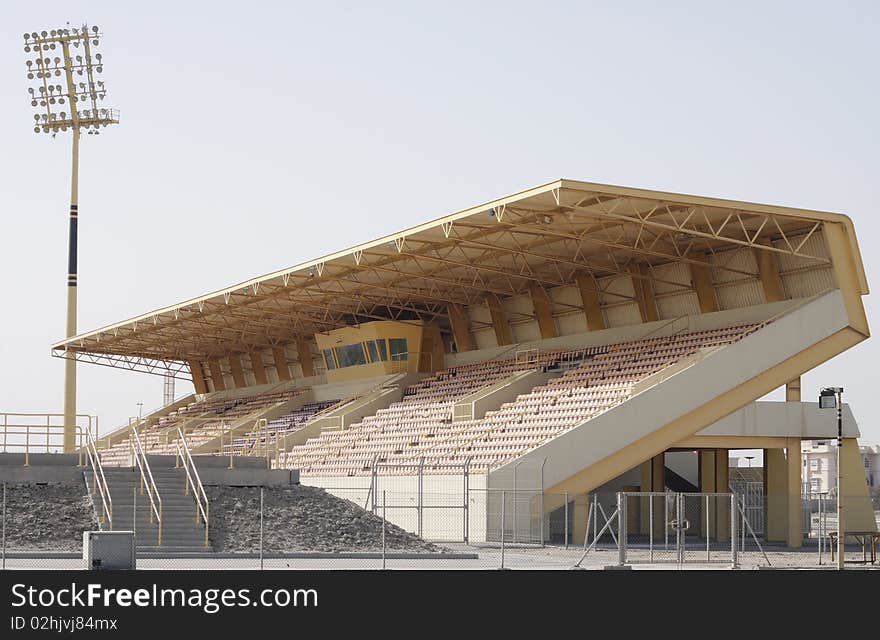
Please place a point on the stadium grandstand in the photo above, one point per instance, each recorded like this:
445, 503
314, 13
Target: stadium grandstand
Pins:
570, 338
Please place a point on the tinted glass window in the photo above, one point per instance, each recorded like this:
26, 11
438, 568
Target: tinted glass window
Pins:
372, 350
350, 355
328, 358
398, 348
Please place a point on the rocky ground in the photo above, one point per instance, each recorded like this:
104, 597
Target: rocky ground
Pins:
300, 518
47, 517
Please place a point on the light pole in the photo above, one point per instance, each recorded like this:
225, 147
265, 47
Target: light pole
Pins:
80, 95
829, 398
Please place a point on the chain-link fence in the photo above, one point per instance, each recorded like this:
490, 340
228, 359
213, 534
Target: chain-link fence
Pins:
439, 522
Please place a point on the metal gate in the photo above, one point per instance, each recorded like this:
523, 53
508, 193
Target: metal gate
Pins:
677, 528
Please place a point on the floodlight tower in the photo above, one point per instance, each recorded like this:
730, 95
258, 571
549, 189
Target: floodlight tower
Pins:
68, 52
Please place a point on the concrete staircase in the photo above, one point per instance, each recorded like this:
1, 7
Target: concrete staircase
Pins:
181, 532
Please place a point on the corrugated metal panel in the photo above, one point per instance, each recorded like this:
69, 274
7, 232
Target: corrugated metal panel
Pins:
814, 246
674, 296
737, 290
569, 295
681, 304
623, 315
479, 316
525, 331
619, 313
807, 283
742, 259
677, 277
517, 307
742, 294
569, 321
802, 277
485, 339
572, 323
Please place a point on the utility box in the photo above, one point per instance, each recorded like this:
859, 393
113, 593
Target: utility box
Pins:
109, 550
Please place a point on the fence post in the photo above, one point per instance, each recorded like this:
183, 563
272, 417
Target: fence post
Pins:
650, 527
566, 519
503, 500
708, 554
421, 493
261, 528
383, 528
467, 493
621, 529
514, 499
134, 514
733, 556
4, 525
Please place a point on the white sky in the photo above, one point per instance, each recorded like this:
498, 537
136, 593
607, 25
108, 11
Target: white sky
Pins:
256, 135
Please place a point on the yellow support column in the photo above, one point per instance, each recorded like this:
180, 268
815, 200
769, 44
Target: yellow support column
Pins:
258, 368
503, 335
775, 495
707, 474
198, 376
543, 310
644, 289
237, 371
216, 375
280, 358
793, 390
701, 276
458, 320
768, 273
590, 299
579, 511
304, 351
793, 478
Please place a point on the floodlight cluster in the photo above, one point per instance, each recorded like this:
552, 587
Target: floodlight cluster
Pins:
63, 68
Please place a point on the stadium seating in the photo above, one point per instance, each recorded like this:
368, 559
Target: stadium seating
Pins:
420, 425
279, 427
202, 421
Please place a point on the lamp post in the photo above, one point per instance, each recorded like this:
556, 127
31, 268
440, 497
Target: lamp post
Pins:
80, 95
830, 398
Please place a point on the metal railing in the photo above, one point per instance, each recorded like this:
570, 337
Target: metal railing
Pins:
147, 482
193, 482
29, 433
99, 481
411, 361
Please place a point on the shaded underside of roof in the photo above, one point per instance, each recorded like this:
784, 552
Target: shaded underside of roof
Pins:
548, 236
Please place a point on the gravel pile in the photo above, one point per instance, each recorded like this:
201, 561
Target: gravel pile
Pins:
48, 517
300, 518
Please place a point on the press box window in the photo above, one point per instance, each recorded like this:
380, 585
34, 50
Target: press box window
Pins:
398, 348
377, 350
350, 355
328, 358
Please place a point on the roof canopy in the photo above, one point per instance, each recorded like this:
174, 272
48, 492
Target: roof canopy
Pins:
546, 235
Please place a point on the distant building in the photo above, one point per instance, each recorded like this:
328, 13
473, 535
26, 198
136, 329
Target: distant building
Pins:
819, 460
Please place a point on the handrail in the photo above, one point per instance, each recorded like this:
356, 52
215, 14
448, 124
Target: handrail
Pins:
198, 490
21, 434
140, 456
671, 321
98, 478
148, 416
